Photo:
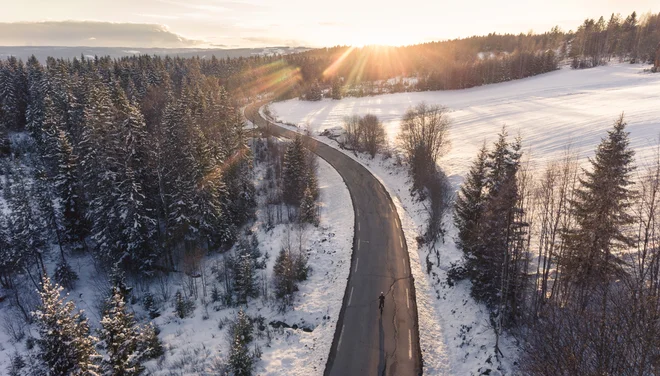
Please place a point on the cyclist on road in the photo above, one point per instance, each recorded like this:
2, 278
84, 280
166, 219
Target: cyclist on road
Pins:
382, 301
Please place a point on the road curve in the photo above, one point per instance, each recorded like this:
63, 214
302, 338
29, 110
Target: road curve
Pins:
366, 343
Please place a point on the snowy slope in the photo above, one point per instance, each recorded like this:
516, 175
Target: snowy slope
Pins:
550, 111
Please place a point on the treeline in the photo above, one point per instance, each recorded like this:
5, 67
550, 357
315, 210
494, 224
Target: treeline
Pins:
454, 64
631, 38
140, 160
568, 262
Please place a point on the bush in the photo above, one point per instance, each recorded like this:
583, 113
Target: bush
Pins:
152, 347
289, 269
64, 275
183, 306
149, 304
456, 273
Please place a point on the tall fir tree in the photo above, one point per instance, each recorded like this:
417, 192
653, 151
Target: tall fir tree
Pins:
294, 172
601, 214
469, 205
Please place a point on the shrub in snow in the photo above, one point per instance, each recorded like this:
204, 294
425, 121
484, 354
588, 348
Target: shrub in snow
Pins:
17, 365
151, 346
64, 275
183, 306
149, 304
289, 269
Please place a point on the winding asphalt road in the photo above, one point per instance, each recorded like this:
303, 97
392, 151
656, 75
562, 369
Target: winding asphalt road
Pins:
365, 342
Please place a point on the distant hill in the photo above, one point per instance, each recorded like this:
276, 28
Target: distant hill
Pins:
42, 52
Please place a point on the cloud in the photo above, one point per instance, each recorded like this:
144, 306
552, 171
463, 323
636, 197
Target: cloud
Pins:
91, 34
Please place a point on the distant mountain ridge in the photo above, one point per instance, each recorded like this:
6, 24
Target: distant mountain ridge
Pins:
66, 52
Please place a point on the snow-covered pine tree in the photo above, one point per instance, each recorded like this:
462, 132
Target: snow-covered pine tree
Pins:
101, 164
245, 284
336, 88
64, 275
13, 93
241, 361
64, 342
121, 339
284, 277
180, 171
7, 267
136, 223
67, 185
601, 214
37, 90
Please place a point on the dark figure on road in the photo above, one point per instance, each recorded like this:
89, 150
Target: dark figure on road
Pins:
381, 304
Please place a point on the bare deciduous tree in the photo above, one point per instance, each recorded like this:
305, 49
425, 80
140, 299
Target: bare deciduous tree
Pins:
373, 134
424, 129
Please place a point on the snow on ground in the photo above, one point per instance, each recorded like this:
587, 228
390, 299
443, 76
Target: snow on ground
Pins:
550, 112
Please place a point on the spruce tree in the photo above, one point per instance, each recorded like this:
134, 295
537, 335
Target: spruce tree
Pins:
26, 224
65, 344
121, 339
491, 231
294, 172
469, 206
601, 213
245, 283
241, 360
136, 222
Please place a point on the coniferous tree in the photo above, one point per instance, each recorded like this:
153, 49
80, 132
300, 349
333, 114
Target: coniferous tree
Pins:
245, 283
489, 217
241, 360
336, 88
469, 206
601, 213
136, 221
65, 344
26, 225
294, 172
121, 339
67, 185
100, 164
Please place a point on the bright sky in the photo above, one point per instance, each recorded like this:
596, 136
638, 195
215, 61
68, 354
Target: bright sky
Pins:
252, 23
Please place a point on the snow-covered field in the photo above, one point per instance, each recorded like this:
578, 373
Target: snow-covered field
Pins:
550, 112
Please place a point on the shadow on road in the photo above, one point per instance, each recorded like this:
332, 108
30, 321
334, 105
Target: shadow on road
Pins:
381, 347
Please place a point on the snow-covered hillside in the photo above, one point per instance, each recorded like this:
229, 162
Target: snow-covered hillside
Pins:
551, 111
